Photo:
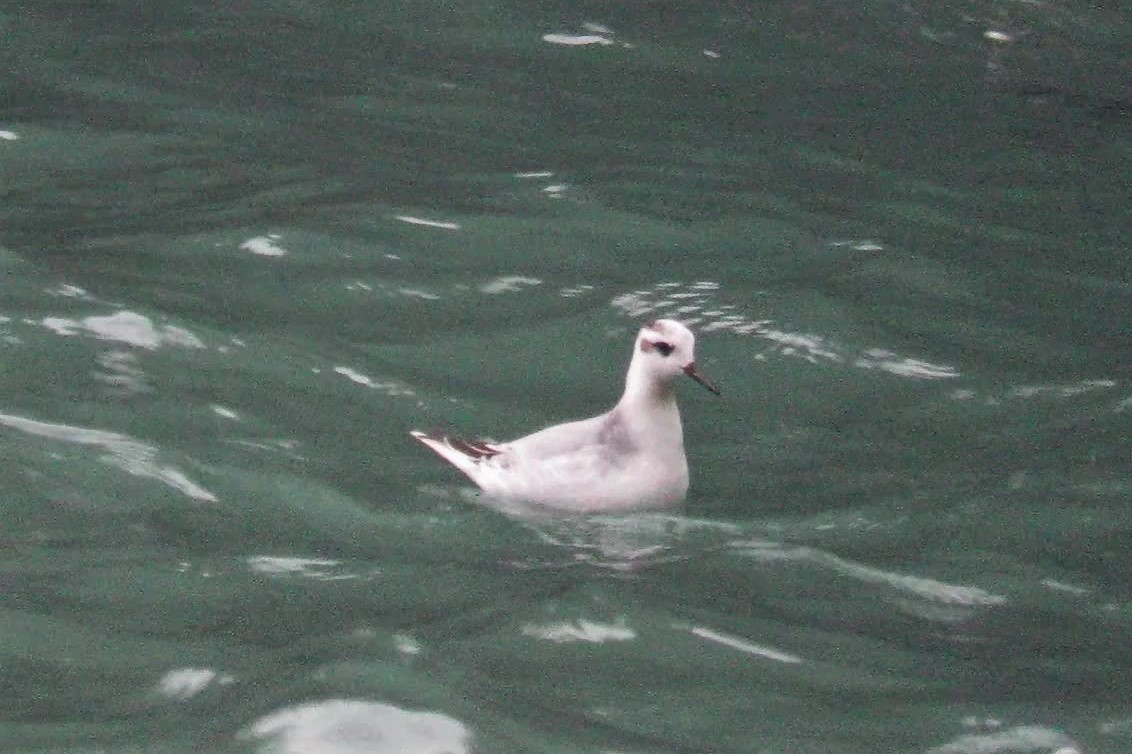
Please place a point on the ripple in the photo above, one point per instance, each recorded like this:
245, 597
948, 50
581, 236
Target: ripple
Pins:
1061, 391
508, 284
122, 374
1040, 391
1024, 738
389, 387
696, 305
575, 291
962, 598
887, 361
322, 569
130, 455
66, 290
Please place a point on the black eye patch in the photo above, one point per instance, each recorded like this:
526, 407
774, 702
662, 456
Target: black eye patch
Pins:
665, 349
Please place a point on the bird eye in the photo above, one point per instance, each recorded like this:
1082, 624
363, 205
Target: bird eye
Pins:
665, 349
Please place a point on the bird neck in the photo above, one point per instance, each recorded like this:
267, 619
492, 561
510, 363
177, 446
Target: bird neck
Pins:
650, 416
645, 392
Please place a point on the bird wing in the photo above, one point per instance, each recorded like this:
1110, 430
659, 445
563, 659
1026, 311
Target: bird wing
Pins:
556, 465
475, 449
561, 439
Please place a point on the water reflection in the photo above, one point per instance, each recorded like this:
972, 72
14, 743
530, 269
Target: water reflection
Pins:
621, 543
343, 726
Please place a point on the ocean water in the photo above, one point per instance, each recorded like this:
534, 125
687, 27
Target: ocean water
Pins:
248, 246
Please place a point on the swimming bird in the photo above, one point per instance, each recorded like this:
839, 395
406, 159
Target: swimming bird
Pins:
629, 458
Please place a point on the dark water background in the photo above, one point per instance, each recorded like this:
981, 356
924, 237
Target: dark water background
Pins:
248, 245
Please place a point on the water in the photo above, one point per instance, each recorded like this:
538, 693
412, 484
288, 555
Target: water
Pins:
248, 246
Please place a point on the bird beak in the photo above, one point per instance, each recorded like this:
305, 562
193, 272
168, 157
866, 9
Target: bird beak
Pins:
694, 373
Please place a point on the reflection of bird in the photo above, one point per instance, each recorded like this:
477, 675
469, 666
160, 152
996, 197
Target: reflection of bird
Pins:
631, 457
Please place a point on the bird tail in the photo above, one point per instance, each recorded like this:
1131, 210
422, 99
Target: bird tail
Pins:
466, 455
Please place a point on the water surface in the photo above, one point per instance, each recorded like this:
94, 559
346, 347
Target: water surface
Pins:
248, 247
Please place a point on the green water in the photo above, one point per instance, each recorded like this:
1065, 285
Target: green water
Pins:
247, 247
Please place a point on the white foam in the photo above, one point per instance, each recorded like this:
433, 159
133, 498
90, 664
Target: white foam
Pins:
355, 376
290, 565
993, 35
1062, 391
1061, 586
227, 413
126, 327
577, 39
417, 293
579, 290
508, 284
743, 645
70, 291
406, 644
411, 220
1023, 738
347, 726
184, 683
583, 630
886, 361
265, 246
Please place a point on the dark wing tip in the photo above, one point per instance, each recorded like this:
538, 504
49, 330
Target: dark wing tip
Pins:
472, 448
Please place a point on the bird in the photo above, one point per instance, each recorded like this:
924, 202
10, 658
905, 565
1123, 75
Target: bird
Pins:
627, 459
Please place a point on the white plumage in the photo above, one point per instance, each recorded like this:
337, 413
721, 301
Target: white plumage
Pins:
631, 457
